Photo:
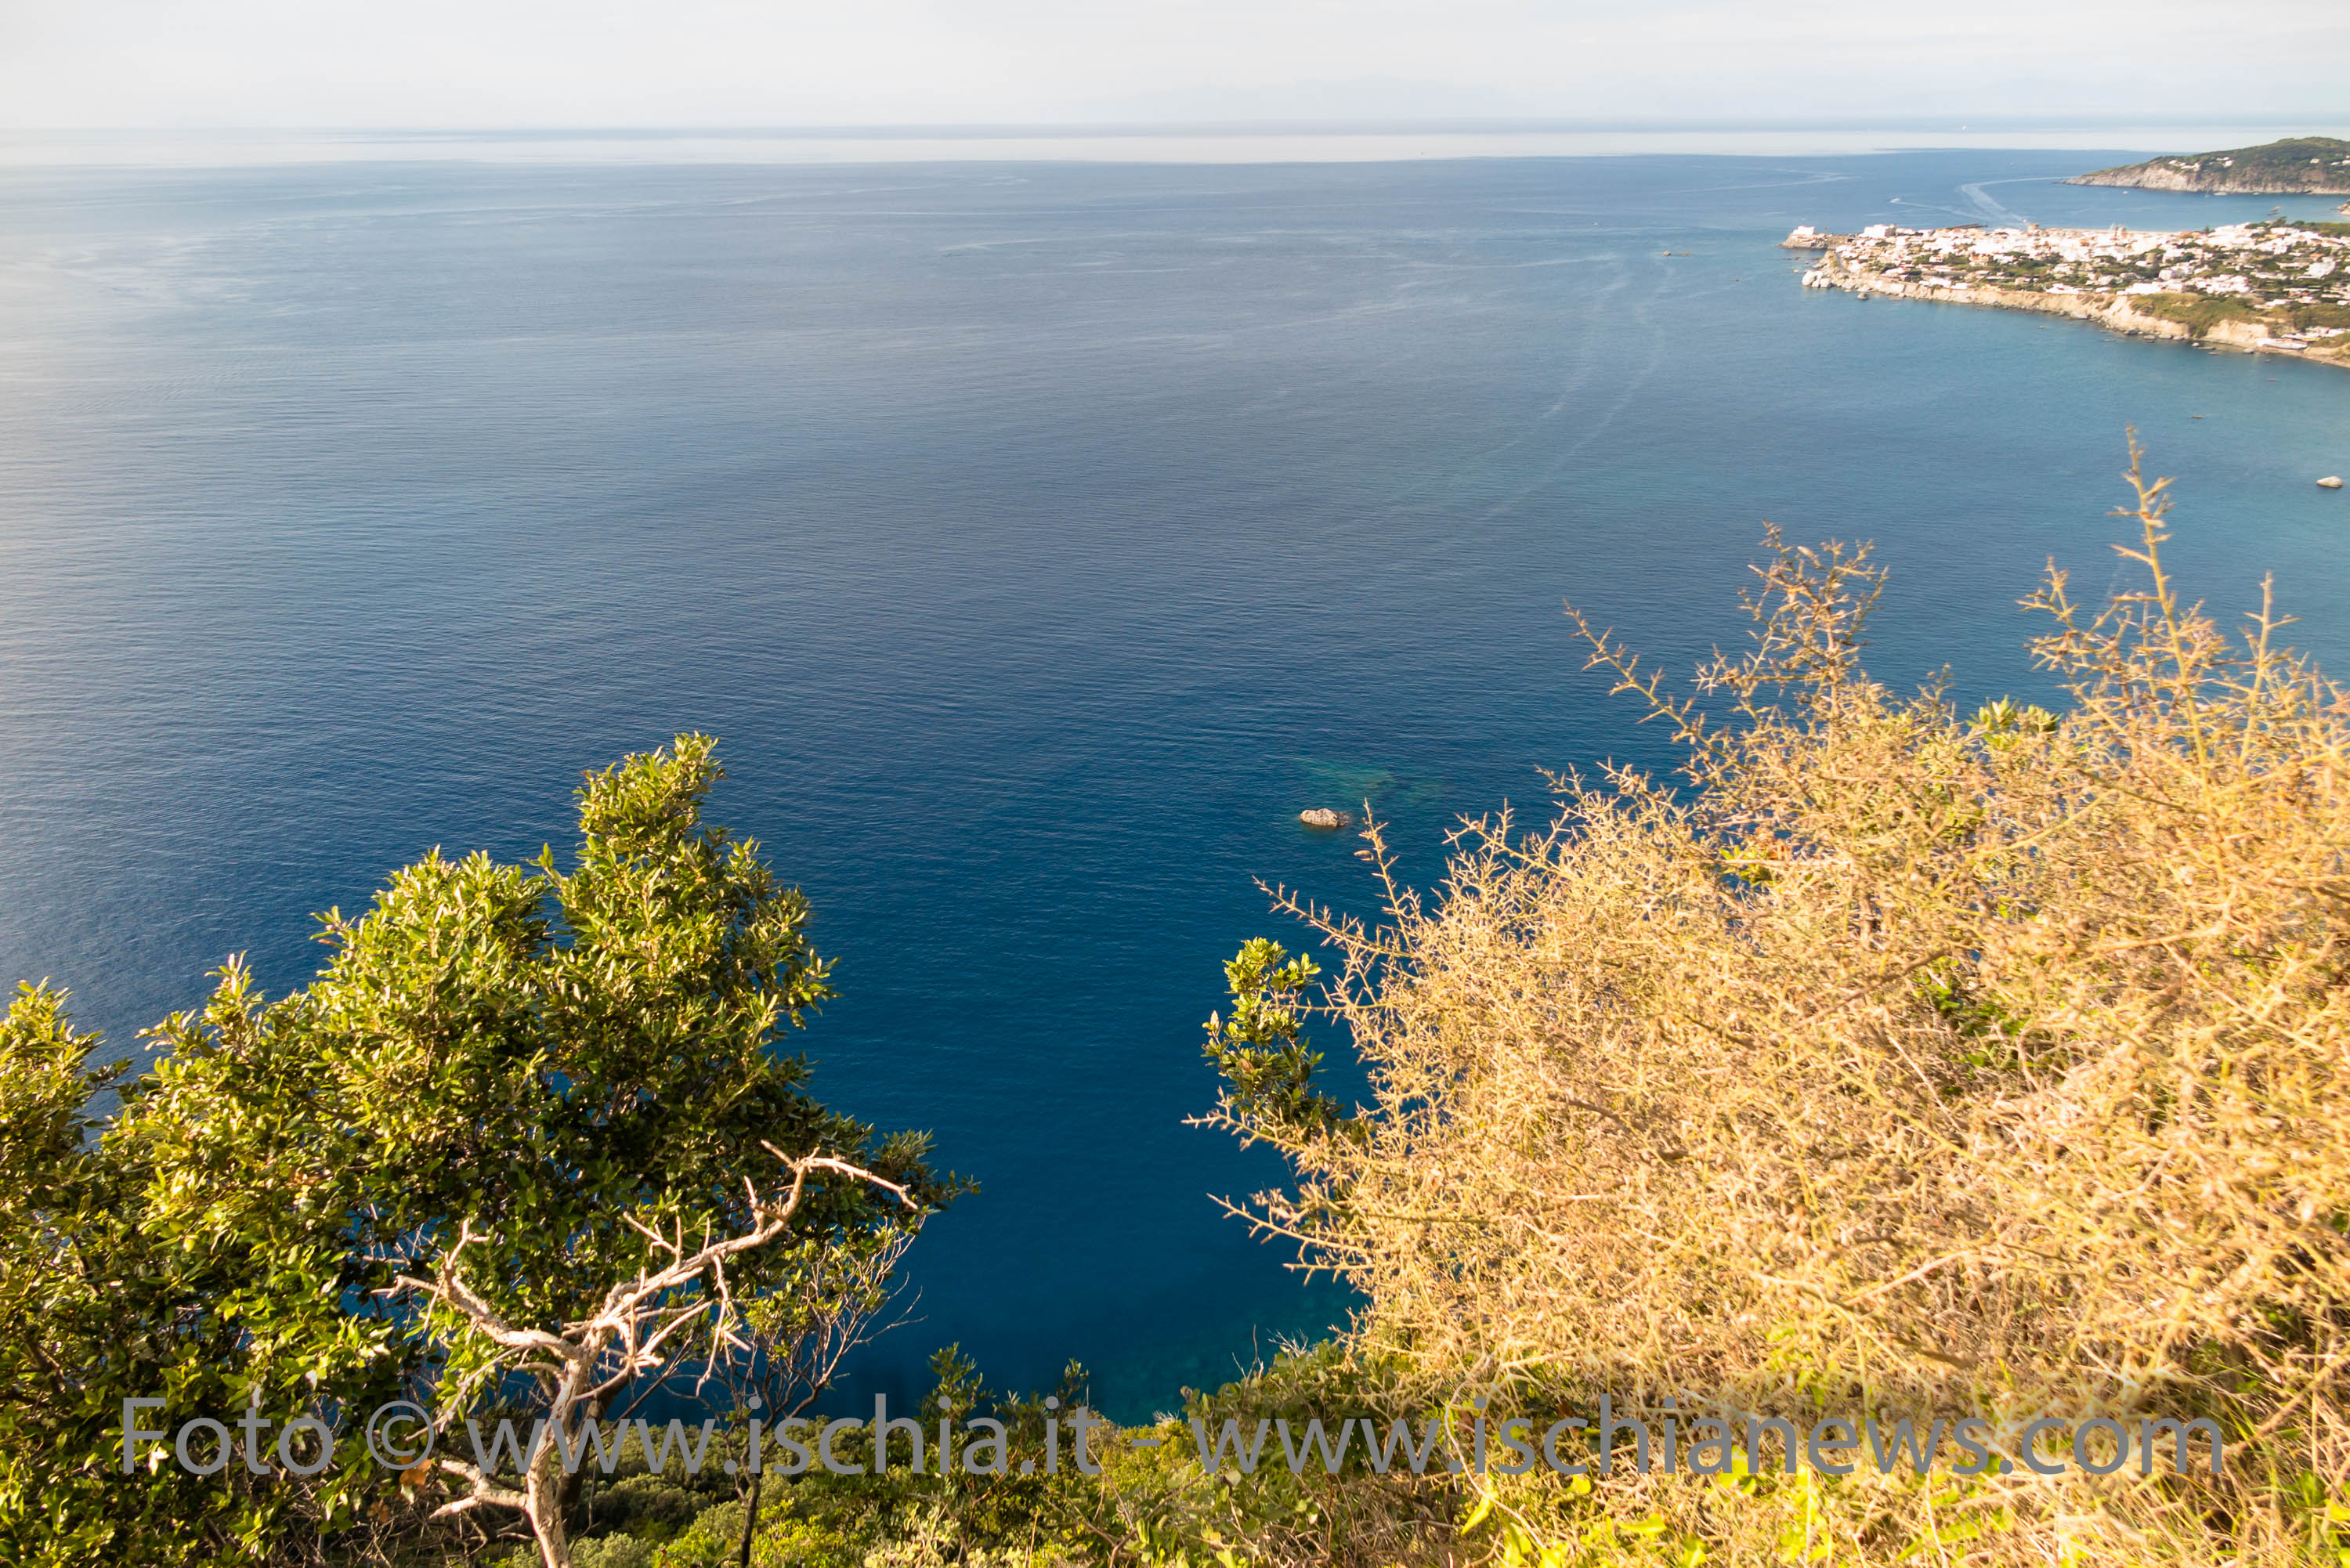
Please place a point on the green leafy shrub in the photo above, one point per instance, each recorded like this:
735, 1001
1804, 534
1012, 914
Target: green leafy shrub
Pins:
512, 1092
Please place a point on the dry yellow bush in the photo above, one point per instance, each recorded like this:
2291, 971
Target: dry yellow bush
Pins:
1897, 1061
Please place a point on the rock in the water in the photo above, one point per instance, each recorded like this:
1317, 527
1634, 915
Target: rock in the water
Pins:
1319, 817
2331, 481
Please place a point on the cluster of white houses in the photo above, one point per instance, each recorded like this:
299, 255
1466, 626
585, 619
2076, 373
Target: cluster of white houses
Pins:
2295, 278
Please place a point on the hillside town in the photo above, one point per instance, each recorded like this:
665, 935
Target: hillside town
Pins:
2276, 286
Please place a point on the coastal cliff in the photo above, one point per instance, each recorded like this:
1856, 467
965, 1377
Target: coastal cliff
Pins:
2115, 313
2297, 166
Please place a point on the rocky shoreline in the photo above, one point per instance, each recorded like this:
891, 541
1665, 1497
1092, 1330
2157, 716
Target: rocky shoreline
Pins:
2114, 312
2156, 177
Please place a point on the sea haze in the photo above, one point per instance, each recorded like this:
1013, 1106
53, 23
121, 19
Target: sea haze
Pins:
1038, 537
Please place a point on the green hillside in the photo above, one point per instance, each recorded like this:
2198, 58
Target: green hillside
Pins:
2297, 166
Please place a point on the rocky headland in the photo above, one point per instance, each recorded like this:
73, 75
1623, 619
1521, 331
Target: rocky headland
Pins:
2275, 287
2297, 166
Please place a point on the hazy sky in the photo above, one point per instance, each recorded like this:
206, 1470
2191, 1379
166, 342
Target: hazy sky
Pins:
467, 63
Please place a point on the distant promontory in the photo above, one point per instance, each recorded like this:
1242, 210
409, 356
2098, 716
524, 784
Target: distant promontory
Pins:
2273, 286
2297, 166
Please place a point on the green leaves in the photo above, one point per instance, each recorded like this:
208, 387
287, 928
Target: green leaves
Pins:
45, 1089
1262, 1050
99, 1302
560, 1058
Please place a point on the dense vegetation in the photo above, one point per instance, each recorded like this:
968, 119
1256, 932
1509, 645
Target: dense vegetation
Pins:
1895, 1062
1905, 1062
526, 1143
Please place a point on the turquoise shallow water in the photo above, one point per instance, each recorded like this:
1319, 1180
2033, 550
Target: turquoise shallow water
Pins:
1039, 538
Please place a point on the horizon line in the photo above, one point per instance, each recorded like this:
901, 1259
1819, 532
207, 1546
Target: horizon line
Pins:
1050, 129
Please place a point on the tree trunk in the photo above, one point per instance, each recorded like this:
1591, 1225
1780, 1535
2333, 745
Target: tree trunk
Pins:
575, 1479
543, 1491
749, 1523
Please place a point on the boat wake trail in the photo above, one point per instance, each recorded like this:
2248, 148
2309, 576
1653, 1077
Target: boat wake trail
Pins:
1989, 207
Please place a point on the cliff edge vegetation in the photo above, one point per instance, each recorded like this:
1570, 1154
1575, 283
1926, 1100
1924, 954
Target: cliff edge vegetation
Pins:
2296, 166
1893, 1059
1891, 1067
529, 1146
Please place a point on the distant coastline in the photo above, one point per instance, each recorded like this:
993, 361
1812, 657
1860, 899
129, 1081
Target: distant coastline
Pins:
2296, 166
2279, 288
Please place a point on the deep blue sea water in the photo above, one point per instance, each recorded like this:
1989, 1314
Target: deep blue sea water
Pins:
1038, 537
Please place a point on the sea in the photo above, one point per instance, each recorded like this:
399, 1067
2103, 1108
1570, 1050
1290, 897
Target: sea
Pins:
1040, 529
